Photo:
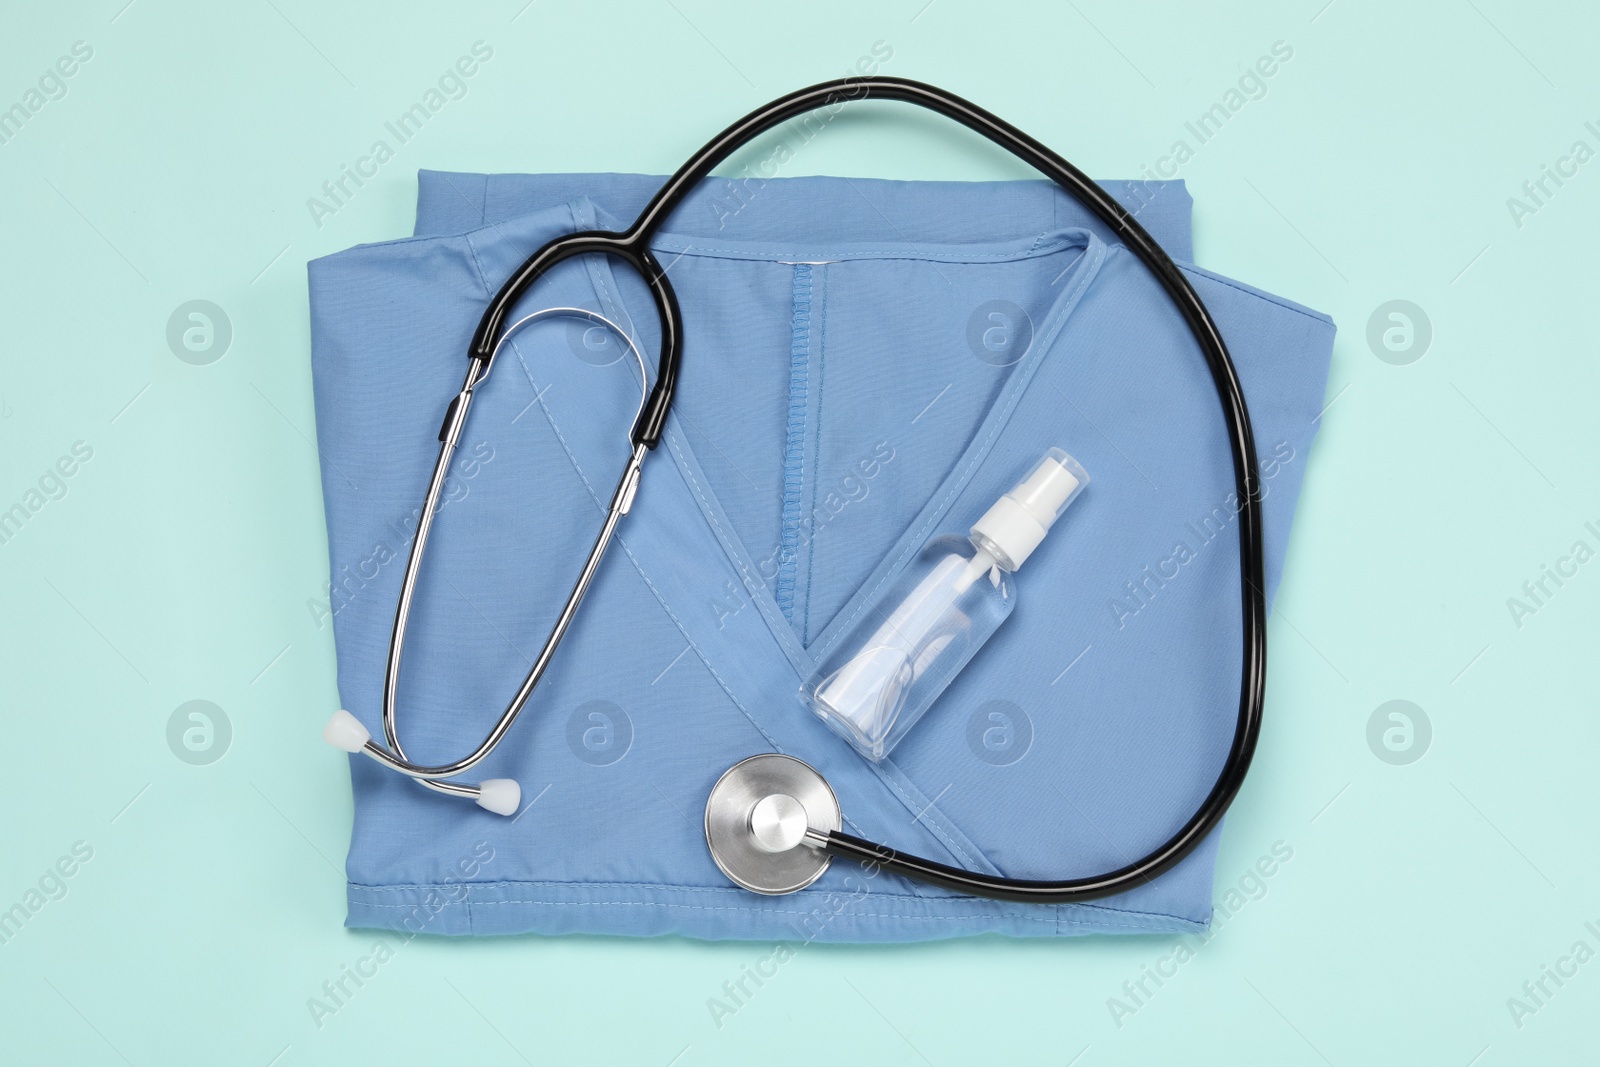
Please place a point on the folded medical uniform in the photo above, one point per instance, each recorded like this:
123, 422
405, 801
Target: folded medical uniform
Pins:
866, 364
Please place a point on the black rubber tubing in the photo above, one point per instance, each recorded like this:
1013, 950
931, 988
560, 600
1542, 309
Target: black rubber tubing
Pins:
632, 246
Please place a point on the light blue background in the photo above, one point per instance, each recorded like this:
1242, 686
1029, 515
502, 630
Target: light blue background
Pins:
179, 562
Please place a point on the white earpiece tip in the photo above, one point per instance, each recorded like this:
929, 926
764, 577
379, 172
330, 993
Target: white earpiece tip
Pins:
500, 795
345, 731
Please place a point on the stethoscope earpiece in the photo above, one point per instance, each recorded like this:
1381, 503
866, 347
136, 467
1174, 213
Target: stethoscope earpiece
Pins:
503, 796
345, 731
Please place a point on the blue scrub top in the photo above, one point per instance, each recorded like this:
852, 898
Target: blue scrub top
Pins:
867, 364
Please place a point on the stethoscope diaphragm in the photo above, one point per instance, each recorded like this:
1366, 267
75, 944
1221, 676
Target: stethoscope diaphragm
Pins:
757, 821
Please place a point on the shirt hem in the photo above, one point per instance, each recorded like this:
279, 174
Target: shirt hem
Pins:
854, 913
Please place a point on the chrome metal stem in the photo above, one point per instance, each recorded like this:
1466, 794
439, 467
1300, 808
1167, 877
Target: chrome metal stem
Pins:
392, 754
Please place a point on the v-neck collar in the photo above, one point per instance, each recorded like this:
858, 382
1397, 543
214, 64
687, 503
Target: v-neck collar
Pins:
1076, 280
755, 657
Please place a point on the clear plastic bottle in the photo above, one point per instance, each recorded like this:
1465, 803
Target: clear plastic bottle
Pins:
910, 643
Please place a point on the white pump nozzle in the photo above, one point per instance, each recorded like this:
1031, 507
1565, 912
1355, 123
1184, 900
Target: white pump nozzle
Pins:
1017, 523
345, 731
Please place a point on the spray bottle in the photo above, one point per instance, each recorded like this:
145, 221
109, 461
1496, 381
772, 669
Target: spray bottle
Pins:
909, 643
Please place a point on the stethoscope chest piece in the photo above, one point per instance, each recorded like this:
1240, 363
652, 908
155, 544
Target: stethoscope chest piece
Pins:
756, 822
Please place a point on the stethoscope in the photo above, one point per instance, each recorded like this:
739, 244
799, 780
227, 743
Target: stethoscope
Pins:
772, 822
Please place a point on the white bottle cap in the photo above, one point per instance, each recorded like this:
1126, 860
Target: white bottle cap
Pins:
1017, 523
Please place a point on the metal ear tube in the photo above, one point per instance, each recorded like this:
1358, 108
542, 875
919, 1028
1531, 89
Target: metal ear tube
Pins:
499, 795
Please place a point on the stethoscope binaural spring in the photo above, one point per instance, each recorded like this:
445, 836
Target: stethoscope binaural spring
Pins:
499, 795
760, 832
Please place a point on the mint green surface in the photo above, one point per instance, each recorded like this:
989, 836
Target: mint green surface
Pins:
177, 563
